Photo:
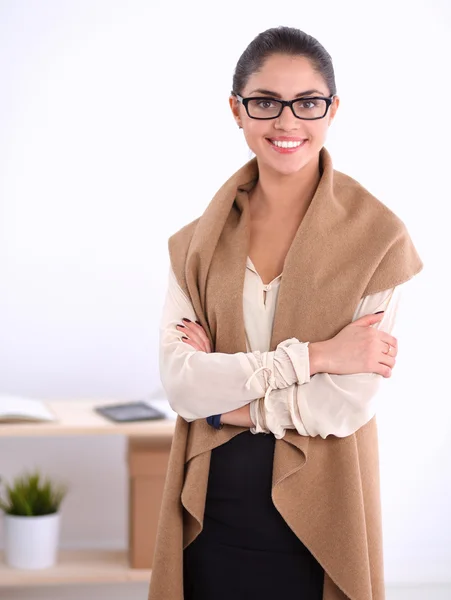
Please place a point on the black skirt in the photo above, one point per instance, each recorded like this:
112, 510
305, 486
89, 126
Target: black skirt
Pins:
246, 550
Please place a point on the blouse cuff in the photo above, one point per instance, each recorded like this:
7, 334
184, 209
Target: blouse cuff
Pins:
257, 413
291, 363
287, 365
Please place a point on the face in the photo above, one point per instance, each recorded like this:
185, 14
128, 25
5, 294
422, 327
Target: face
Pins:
284, 77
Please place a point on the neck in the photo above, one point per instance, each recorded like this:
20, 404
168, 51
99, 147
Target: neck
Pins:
276, 194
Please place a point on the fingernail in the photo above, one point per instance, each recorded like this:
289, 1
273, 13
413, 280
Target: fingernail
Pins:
198, 322
184, 337
187, 320
379, 312
180, 325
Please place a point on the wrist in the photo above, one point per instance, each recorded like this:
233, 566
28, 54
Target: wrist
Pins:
240, 417
317, 357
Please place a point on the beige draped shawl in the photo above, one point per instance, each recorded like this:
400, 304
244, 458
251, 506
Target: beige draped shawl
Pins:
348, 245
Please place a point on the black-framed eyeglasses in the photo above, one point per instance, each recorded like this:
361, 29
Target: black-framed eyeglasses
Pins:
308, 108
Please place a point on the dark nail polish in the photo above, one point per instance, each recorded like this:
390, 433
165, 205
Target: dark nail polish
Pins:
198, 322
187, 320
379, 312
184, 337
180, 325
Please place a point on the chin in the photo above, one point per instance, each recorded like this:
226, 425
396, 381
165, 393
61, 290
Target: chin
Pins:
287, 165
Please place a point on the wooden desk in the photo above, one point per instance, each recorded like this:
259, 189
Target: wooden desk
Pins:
77, 418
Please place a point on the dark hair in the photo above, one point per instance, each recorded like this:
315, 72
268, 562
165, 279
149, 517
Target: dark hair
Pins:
283, 40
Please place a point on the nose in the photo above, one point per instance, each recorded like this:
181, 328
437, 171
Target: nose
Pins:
286, 120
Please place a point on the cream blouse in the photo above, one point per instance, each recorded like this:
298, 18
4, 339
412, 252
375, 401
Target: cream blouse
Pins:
277, 384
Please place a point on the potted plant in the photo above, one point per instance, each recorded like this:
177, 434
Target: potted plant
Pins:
32, 521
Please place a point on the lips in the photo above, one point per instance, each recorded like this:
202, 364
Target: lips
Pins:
286, 145
284, 138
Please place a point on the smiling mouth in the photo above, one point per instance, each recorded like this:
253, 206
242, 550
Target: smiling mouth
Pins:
286, 144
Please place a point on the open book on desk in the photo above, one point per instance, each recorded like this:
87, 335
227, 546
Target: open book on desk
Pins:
15, 409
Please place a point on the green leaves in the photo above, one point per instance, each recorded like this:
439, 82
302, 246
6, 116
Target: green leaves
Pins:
32, 496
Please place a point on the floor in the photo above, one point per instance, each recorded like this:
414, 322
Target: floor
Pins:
139, 592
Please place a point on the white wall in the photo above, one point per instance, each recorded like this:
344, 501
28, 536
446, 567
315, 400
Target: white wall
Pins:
114, 132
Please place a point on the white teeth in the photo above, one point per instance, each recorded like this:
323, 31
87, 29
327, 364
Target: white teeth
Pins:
286, 144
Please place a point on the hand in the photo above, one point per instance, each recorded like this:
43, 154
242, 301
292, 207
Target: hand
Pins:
197, 338
360, 348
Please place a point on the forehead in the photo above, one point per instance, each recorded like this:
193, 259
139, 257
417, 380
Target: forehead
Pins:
287, 75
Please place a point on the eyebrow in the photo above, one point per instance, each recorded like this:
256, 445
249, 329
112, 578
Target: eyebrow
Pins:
276, 95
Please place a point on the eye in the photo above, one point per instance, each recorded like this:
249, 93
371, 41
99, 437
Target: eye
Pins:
308, 104
265, 104
263, 108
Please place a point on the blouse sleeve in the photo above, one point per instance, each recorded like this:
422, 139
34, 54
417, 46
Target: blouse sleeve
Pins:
199, 384
330, 404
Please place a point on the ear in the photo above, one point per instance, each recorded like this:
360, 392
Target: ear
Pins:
234, 106
333, 109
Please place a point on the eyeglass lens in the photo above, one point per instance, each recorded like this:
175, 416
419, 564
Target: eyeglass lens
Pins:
265, 108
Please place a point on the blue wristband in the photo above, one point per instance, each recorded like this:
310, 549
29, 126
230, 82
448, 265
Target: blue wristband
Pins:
215, 421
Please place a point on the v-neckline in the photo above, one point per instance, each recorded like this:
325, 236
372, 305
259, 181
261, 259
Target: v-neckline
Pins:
251, 264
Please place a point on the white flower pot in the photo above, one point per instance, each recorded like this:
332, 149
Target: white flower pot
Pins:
31, 542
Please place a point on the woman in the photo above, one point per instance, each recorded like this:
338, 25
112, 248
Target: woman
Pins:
275, 336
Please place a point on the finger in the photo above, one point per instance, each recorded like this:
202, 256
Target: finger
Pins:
202, 336
393, 348
198, 337
189, 342
205, 339
389, 339
369, 319
197, 332
193, 334
189, 338
387, 360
